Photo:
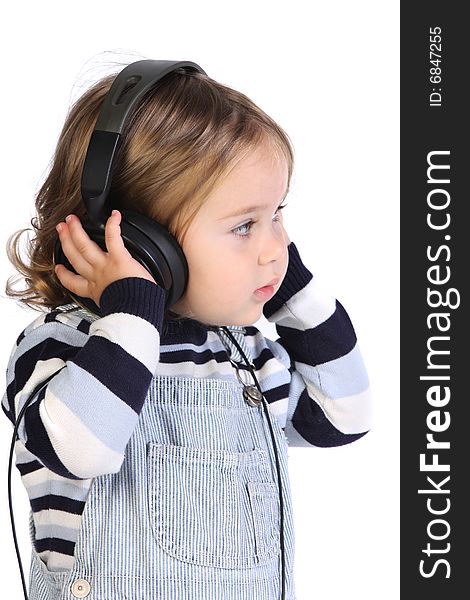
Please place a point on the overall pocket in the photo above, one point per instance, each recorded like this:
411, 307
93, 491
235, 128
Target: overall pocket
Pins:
212, 507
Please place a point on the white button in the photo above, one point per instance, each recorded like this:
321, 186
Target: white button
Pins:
80, 588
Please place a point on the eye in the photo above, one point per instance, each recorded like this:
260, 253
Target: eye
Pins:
242, 228
277, 216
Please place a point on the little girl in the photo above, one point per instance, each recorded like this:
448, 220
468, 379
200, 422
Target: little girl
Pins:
148, 454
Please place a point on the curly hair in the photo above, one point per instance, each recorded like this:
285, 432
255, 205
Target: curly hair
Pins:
187, 134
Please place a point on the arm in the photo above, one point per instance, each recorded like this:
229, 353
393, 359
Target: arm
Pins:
329, 401
79, 424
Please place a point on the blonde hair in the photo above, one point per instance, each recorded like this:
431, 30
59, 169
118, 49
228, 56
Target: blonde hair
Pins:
188, 132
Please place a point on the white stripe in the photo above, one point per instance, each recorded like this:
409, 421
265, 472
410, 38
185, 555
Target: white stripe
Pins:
279, 352
41, 372
81, 452
189, 369
269, 377
350, 414
50, 517
35, 324
56, 561
307, 309
57, 531
279, 409
107, 416
22, 454
135, 335
275, 371
44, 475
49, 332
337, 378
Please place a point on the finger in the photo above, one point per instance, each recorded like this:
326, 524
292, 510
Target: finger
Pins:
83, 245
77, 261
74, 283
112, 234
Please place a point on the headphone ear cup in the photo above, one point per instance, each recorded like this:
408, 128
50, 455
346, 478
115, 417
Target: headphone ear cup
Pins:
148, 242
158, 251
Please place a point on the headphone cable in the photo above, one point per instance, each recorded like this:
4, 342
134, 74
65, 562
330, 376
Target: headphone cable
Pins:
10, 467
281, 501
10, 503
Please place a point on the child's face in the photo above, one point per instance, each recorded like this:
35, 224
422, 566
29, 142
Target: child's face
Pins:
225, 269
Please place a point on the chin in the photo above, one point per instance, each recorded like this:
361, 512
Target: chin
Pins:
243, 317
221, 320
248, 320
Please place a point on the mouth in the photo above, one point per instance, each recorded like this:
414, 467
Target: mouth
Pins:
272, 283
267, 291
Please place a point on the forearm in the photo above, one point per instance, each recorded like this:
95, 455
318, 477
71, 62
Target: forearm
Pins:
81, 421
320, 339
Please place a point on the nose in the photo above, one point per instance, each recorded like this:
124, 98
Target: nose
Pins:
273, 246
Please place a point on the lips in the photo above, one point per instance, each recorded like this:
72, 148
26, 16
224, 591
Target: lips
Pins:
268, 290
273, 282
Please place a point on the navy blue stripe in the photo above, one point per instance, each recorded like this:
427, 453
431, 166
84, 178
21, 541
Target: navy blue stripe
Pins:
53, 502
26, 363
55, 545
184, 330
310, 421
190, 355
38, 442
277, 393
136, 296
20, 337
332, 339
203, 357
51, 317
120, 372
29, 467
297, 277
84, 326
264, 356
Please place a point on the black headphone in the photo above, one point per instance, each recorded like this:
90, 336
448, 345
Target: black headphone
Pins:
147, 241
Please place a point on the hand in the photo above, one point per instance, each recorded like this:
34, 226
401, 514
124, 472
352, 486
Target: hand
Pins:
95, 269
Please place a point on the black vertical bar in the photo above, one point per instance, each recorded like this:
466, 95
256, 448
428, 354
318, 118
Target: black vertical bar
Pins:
434, 261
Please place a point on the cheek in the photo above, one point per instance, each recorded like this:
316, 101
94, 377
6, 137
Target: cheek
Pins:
222, 272
217, 268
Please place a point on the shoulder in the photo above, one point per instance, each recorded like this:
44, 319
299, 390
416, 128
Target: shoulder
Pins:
64, 324
50, 339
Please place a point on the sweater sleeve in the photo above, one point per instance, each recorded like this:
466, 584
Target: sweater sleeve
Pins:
329, 398
79, 423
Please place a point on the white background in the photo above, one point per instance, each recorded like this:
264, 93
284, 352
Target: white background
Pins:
328, 73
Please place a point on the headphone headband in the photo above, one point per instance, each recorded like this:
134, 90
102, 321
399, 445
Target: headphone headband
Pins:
126, 91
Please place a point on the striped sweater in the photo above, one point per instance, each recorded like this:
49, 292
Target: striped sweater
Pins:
78, 425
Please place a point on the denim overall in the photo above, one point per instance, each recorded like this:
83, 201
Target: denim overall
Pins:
193, 513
